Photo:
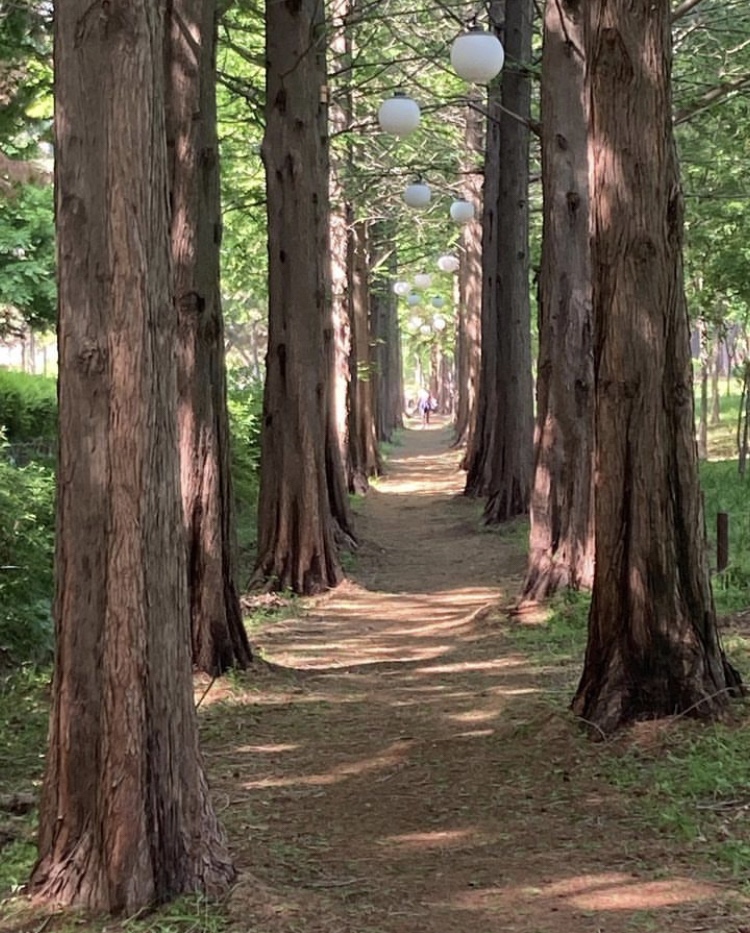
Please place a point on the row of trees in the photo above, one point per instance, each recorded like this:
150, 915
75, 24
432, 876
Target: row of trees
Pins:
126, 819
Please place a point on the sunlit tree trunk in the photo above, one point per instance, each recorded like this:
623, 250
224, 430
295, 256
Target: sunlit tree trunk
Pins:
219, 639
364, 459
386, 333
469, 320
125, 818
478, 459
511, 454
299, 446
561, 540
653, 646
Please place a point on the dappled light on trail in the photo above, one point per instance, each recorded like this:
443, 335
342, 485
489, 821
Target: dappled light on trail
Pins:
397, 765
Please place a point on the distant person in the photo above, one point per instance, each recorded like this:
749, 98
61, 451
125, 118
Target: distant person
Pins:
424, 405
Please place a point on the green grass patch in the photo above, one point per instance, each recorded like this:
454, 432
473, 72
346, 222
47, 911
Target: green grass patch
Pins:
724, 490
694, 787
560, 639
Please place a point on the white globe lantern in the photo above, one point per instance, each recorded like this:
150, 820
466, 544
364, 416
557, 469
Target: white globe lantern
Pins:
401, 289
422, 280
399, 115
425, 329
477, 56
448, 263
413, 299
414, 322
417, 194
438, 322
438, 301
462, 211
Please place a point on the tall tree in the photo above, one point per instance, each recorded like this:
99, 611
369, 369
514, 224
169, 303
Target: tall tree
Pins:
219, 640
469, 320
511, 457
561, 541
125, 817
500, 462
300, 473
653, 646
364, 457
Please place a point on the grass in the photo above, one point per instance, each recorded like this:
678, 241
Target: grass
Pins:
694, 787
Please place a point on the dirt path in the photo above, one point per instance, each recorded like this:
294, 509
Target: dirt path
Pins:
404, 772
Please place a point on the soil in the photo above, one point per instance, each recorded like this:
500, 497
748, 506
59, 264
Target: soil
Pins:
398, 767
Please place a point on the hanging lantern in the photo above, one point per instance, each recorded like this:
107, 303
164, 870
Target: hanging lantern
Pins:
417, 194
448, 263
414, 299
462, 211
438, 322
425, 329
401, 289
399, 115
422, 280
438, 301
414, 322
477, 56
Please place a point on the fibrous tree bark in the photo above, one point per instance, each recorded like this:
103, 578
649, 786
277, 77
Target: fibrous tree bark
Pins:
364, 458
301, 477
219, 640
469, 320
561, 540
388, 375
125, 818
499, 461
653, 646
512, 452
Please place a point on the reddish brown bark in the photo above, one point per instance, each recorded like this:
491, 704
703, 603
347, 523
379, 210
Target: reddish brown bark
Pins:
298, 494
219, 640
469, 321
125, 818
505, 424
364, 458
653, 645
561, 541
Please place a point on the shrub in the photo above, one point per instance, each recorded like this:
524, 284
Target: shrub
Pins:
28, 407
245, 404
27, 497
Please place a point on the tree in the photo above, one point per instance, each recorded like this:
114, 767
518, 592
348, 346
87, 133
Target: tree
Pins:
469, 322
364, 458
299, 474
125, 818
561, 539
500, 462
219, 639
653, 646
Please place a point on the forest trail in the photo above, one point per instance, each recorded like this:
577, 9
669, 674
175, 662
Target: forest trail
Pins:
399, 768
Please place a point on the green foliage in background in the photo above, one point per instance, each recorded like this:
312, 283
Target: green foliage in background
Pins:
27, 256
27, 504
28, 407
245, 404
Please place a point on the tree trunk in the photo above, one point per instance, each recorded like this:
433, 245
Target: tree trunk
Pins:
511, 455
364, 459
653, 646
468, 343
386, 335
703, 407
219, 640
125, 819
481, 440
296, 546
561, 540
715, 374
